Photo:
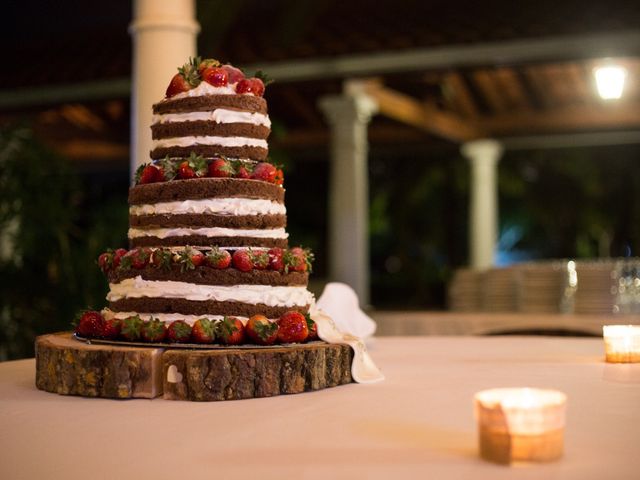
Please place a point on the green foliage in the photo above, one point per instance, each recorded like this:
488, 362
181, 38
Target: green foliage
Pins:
48, 245
417, 228
574, 203
580, 203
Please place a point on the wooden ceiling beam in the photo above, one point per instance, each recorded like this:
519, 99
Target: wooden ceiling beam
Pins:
572, 118
405, 109
558, 83
580, 79
539, 85
510, 85
487, 85
455, 87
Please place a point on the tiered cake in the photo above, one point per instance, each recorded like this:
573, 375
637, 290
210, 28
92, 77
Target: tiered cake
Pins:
208, 263
207, 216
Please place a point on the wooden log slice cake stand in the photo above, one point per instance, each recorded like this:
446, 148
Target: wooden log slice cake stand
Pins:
68, 366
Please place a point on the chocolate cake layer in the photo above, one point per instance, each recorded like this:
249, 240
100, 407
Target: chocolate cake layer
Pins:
213, 276
248, 103
202, 241
209, 220
190, 307
252, 153
200, 128
202, 188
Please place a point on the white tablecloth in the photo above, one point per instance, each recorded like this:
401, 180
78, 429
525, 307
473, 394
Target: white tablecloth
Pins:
417, 424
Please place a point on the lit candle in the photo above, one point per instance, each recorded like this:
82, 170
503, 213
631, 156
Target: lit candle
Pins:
621, 343
520, 424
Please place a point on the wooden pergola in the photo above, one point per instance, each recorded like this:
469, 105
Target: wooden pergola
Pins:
483, 90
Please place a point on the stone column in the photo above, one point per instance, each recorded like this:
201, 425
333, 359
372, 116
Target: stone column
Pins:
348, 117
164, 37
483, 156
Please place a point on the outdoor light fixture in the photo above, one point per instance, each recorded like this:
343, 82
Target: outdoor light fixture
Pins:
610, 80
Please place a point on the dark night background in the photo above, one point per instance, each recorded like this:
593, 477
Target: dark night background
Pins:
64, 165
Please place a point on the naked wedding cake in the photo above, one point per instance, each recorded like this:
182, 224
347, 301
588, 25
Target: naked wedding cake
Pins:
209, 302
209, 257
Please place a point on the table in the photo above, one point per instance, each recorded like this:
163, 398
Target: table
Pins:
417, 423
490, 323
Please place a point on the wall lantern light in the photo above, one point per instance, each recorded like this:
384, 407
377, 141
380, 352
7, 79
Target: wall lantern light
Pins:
610, 80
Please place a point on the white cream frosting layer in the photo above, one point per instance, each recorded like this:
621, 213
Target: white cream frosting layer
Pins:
207, 232
215, 206
253, 294
219, 115
206, 89
210, 140
166, 317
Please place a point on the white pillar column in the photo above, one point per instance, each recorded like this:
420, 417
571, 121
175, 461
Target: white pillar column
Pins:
483, 156
348, 117
164, 37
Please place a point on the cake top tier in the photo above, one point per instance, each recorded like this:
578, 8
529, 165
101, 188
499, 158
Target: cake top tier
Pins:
212, 115
208, 76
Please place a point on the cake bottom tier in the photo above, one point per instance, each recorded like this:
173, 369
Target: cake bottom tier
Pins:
67, 366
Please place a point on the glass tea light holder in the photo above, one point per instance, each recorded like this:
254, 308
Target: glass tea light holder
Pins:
520, 424
621, 343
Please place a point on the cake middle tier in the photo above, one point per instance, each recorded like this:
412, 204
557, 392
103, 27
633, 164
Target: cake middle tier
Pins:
209, 211
207, 292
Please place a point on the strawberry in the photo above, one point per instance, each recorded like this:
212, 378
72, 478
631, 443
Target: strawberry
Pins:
111, 328
105, 261
167, 169
298, 260
279, 178
190, 258
244, 86
110, 260
260, 80
234, 74
186, 78
230, 331
220, 168
258, 87
292, 327
207, 63
177, 85
216, 76
203, 331
137, 258
264, 171
179, 332
149, 174
312, 327
90, 324
242, 172
242, 260
117, 256
260, 259
217, 258
153, 331
131, 329
162, 258
195, 166
185, 171
275, 259
254, 86
262, 331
